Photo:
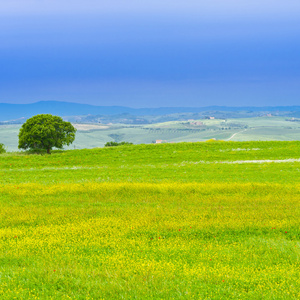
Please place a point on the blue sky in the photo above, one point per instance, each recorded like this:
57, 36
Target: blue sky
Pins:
151, 53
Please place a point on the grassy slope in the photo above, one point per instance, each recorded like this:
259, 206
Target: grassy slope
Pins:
155, 163
151, 221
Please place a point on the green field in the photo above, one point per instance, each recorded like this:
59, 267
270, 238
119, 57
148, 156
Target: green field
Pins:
208, 220
247, 129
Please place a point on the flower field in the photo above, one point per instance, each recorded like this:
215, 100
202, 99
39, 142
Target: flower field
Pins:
181, 221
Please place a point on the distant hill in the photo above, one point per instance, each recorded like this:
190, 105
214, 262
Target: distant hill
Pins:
18, 113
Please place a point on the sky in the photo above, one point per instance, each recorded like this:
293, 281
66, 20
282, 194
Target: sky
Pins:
151, 53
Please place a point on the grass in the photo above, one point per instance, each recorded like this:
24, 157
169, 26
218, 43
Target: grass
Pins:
170, 221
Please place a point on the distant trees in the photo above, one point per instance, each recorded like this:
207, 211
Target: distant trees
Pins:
113, 144
45, 132
2, 148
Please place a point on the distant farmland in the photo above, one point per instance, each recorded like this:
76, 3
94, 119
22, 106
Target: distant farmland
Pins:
247, 129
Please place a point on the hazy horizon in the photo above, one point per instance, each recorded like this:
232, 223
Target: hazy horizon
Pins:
155, 107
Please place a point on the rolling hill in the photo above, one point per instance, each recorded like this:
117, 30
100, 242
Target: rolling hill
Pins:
20, 112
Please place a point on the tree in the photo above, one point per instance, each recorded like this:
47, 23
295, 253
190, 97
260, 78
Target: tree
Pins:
45, 132
2, 148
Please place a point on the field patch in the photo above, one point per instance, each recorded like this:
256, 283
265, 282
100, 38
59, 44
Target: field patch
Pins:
88, 127
121, 240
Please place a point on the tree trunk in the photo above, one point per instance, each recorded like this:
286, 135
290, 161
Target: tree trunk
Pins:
48, 150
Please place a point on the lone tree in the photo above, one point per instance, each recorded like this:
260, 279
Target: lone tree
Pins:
45, 132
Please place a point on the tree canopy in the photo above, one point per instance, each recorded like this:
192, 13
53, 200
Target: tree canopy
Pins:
46, 131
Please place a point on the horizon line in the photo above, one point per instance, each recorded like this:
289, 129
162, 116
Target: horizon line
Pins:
207, 106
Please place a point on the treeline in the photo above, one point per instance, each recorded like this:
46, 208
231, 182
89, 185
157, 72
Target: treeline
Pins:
113, 144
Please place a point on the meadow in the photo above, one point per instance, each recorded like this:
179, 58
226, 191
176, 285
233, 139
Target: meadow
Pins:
207, 220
